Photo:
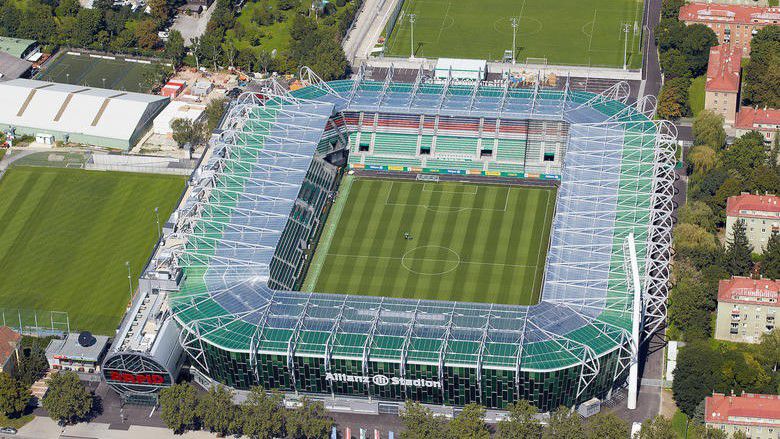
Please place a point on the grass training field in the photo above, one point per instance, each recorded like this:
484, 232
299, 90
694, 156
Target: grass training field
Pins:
65, 235
570, 32
469, 242
88, 71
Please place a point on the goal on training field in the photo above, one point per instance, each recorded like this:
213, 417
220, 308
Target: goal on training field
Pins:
536, 61
428, 177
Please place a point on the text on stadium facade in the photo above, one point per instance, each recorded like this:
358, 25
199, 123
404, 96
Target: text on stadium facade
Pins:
380, 380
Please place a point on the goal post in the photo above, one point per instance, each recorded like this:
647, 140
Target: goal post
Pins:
536, 61
428, 178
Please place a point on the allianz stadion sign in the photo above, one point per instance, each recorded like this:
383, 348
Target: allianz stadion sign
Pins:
380, 380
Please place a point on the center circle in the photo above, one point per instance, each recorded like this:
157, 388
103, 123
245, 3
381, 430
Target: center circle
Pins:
429, 260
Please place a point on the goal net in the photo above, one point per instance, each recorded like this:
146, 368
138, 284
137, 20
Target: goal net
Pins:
428, 177
536, 61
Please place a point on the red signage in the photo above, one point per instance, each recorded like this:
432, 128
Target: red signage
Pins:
141, 378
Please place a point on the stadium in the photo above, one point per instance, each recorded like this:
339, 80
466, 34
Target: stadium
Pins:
239, 252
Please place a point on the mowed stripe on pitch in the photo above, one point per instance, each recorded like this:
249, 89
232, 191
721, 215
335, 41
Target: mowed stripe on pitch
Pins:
473, 243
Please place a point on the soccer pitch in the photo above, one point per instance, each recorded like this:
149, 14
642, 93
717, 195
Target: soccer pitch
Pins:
65, 235
467, 242
568, 32
115, 74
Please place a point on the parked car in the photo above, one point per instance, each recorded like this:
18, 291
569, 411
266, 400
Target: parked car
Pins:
7, 430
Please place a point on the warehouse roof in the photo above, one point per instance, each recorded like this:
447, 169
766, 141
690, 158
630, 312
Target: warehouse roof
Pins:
12, 67
74, 109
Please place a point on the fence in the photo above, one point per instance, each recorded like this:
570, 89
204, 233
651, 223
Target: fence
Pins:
399, 5
36, 322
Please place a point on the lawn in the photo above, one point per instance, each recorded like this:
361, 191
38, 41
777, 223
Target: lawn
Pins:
65, 235
696, 94
115, 74
469, 242
571, 32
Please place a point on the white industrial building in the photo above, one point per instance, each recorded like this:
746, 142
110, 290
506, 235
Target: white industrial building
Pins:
77, 114
176, 110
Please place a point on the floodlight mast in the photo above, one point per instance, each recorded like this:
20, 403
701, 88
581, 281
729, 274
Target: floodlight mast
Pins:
412, 18
625, 45
515, 22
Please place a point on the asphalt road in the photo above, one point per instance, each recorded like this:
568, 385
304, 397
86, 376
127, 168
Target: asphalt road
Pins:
651, 68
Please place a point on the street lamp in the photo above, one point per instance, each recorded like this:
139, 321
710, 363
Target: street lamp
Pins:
515, 22
625, 44
157, 216
129, 280
412, 18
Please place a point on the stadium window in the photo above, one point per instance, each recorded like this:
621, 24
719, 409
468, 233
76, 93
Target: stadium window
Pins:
425, 150
364, 147
549, 157
486, 153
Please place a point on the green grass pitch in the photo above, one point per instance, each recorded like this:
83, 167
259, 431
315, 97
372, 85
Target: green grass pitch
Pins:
65, 235
470, 242
568, 32
85, 70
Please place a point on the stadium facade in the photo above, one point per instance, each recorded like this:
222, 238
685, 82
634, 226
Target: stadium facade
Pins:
238, 246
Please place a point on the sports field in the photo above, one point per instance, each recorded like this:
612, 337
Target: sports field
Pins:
115, 74
570, 32
466, 242
65, 235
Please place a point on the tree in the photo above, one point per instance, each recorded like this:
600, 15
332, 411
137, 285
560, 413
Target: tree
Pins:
521, 422
702, 159
88, 23
704, 432
67, 8
746, 154
698, 213
762, 75
262, 60
697, 374
179, 407
197, 51
146, 34
188, 132
695, 244
708, 129
263, 414
689, 304
738, 250
674, 64
214, 111
769, 349
309, 421
216, 409
673, 100
160, 10
696, 46
470, 423
671, 8
420, 423
67, 400
32, 365
770, 266
564, 423
606, 426
174, 47
656, 428
14, 396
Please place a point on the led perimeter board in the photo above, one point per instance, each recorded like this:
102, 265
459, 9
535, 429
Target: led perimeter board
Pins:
259, 200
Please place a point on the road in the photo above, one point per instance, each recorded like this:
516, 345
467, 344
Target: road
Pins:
651, 68
368, 28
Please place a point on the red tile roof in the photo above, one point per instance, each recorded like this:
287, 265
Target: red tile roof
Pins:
746, 290
749, 118
8, 342
734, 410
723, 69
735, 14
738, 204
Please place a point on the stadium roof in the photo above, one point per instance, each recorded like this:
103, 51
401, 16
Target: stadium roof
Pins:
616, 168
12, 67
74, 109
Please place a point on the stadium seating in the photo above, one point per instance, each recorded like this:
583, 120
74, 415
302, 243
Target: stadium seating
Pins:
456, 145
512, 150
400, 144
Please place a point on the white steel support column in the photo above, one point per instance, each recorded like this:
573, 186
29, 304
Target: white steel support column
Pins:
633, 371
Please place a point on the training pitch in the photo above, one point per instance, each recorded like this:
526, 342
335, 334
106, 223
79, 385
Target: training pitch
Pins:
65, 235
568, 32
115, 74
466, 242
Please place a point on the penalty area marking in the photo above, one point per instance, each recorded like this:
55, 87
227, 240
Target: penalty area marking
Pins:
446, 209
